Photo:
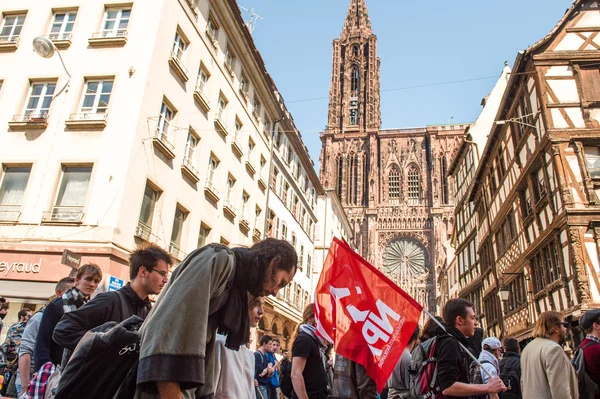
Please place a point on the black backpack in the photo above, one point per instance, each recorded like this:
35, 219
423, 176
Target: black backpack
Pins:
588, 389
510, 374
104, 363
285, 378
476, 378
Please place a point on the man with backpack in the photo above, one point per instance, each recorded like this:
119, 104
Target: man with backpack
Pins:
489, 359
274, 380
453, 361
587, 357
285, 375
148, 271
263, 368
510, 369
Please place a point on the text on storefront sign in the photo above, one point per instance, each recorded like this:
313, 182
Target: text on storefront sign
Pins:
20, 267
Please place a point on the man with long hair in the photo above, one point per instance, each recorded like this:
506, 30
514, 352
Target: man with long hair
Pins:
308, 367
546, 370
207, 292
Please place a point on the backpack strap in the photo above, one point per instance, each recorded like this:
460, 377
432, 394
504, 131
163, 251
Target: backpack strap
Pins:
591, 343
124, 308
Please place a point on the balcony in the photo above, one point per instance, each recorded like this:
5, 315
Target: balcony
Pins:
256, 235
38, 120
161, 142
236, 148
262, 184
229, 210
256, 115
250, 168
244, 92
188, 169
193, 7
201, 98
211, 191
108, 39
177, 65
61, 41
64, 214
9, 43
175, 250
229, 66
87, 121
144, 232
244, 225
210, 35
220, 124
10, 213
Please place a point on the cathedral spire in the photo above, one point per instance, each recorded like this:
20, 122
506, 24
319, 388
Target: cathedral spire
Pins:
357, 19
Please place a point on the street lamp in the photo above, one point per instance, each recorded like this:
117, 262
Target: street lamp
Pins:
503, 293
46, 49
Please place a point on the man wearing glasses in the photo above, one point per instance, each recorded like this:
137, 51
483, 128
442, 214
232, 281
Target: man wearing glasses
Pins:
546, 370
149, 268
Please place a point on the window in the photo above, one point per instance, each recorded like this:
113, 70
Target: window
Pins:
203, 236
212, 169
257, 213
12, 191
284, 231
251, 146
245, 199
96, 97
164, 121
354, 82
413, 185
539, 185
202, 80
308, 265
72, 193
115, 22
148, 205
244, 85
267, 127
301, 259
229, 60
592, 160
176, 233
589, 81
238, 129
212, 29
445, 188
10, 30
355, 50
491, 305
190, 146
221, 105
230, 184
294, 240
275, 174
40, 98
394, 184
256, 108
62, 25
518, 293
353, 112
179, 46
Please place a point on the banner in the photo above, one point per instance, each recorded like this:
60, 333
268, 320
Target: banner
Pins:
367, 317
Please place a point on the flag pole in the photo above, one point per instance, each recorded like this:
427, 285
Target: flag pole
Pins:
461, 345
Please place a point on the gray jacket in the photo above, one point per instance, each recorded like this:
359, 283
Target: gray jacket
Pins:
29, 336
350, 381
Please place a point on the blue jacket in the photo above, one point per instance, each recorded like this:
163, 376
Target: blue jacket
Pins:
274, 381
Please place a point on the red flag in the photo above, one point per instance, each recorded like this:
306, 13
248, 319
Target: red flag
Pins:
368, 318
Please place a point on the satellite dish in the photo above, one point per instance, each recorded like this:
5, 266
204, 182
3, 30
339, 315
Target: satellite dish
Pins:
43, 47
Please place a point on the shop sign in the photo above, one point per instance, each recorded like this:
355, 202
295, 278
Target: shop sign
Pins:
20, 267
115, 283
71, 259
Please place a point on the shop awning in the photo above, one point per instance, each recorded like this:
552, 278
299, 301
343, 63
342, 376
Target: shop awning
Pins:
26, 291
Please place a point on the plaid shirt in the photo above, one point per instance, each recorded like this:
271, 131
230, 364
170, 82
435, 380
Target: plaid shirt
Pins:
37, 386
592, 338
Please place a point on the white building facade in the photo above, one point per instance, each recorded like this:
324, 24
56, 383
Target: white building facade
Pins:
162, 133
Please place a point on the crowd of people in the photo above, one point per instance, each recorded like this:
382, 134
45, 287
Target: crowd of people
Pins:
194, 341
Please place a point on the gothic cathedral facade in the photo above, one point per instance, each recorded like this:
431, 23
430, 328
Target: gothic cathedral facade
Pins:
392, 183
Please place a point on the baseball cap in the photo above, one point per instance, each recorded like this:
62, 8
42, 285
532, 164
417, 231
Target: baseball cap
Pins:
492, 342
589, 318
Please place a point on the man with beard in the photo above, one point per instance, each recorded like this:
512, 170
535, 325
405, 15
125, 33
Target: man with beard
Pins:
207, 292
546, 369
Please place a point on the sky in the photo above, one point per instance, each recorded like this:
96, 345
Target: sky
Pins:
420, 43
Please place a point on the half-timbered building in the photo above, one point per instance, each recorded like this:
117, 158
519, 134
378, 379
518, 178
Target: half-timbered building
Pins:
536, 190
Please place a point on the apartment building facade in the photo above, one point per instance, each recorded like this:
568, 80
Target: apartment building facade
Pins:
159, 129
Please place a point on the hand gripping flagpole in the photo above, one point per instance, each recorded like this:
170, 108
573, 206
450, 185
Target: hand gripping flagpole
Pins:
461, 345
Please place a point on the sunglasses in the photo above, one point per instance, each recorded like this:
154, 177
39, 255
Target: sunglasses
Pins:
565, 324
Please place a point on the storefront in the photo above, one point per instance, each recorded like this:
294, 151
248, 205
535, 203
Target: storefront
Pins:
29, 273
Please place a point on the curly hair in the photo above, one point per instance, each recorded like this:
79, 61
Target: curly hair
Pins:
260, 255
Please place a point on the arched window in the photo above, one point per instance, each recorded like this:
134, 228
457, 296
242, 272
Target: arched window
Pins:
340, 176
445, 188
353, 183
394, 184
354, 82
413, 185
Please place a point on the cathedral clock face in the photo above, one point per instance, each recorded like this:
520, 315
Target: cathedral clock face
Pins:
404, 259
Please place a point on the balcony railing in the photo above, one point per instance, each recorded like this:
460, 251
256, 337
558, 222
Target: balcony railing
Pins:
108, 38
30, 120
162, 142
211, 191
244, 225
190, 170
201, 98
229, 209
250, 167
64, 214
10, 213
143, 231
211, 37
87, 120
177, 65
236, 147
9, 43
175, 250
9, 39
220, 123
60, 36
256, 235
